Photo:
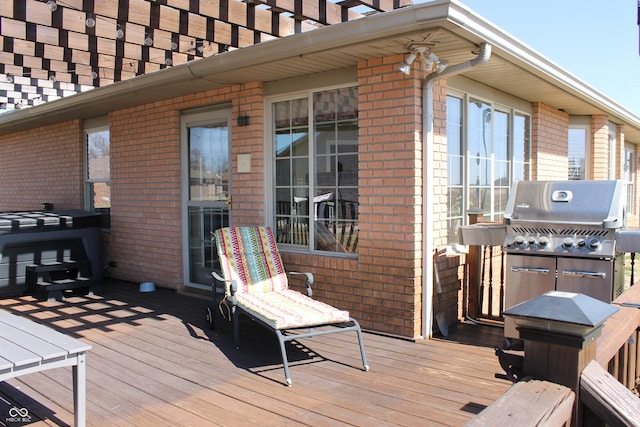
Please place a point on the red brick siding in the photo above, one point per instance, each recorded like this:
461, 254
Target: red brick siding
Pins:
600, 150
249, 188
382, 287
146, 214
390, 178
43, 165
549, 143
146, 195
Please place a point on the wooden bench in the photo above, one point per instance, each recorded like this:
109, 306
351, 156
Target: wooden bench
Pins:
27, 347
529, 403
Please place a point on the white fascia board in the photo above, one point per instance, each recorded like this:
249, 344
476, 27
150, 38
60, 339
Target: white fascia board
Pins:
534, 62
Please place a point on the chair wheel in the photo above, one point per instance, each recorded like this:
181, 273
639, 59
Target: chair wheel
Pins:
209, 318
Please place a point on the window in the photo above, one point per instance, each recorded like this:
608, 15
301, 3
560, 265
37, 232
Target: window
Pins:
488, 147
577, 151
613, 148
98, 172
315, 155
629, 175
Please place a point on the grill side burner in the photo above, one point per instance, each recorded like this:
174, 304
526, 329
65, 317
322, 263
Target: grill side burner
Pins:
561, 235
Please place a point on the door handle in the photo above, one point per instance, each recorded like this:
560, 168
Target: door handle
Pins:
229, 202
585, 274
531, 270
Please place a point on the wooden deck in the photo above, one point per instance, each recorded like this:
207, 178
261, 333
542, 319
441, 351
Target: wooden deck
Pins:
154, 363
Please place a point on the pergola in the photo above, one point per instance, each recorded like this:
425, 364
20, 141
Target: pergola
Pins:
54, 48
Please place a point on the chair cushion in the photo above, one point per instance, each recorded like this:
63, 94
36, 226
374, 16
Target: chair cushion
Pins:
289, 309
249, 255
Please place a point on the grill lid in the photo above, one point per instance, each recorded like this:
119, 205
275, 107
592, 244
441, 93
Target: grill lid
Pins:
592, 203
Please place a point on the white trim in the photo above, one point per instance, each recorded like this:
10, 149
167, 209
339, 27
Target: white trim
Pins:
215, 114
99, 124
582, 123
231, 68
614, 152
460, 85
269, 166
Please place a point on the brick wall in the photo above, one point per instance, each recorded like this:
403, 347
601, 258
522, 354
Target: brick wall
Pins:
600, 150
43, 165
382, 288
549, 143
249, 188
388, 280
145, 239
146, 209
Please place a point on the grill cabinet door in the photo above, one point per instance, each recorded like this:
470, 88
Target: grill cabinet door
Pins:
528, 276
592, 277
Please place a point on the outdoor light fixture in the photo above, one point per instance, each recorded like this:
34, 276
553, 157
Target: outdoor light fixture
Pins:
52, 5
429, 60
441, 66
405, 66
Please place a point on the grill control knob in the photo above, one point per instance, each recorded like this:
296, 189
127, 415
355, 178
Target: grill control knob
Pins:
531, 241
594, 244
519, 241
567, 242
581, 243
543, 241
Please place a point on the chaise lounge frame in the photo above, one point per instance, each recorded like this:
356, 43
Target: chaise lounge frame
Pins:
256, 285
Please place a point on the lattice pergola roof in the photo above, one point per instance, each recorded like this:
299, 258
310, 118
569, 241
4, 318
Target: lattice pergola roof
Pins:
53, 48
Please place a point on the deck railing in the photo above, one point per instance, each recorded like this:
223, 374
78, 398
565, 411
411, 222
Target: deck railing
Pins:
617, 348
607, 396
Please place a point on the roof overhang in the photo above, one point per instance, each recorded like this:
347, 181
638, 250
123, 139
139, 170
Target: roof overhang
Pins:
456, 31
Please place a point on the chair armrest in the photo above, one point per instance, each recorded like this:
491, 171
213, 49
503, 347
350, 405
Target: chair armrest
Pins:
308, 281
218, 277
233, 286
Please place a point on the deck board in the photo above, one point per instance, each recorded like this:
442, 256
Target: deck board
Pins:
154, 362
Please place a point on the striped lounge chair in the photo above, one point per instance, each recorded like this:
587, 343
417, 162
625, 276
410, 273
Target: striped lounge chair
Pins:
256, 285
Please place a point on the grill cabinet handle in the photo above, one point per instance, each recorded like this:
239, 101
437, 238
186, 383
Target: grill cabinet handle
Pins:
530, 270
585, 274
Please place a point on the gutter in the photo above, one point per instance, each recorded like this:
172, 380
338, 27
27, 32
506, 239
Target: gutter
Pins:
219, 70
428, 178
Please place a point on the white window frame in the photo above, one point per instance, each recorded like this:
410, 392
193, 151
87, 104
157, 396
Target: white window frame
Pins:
629, 176
96, 125
270, 176
582, 123
512, 112
613, 149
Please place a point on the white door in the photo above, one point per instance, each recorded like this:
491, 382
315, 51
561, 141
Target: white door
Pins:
206, 144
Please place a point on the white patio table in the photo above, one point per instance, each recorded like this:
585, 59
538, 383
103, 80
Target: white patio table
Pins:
27, 347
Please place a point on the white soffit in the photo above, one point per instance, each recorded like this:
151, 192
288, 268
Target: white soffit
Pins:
514, 68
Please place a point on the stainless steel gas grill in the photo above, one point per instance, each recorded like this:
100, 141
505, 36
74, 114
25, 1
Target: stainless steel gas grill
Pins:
561, 235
